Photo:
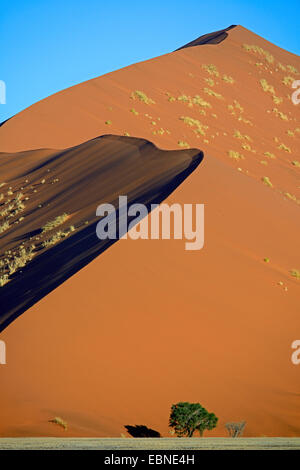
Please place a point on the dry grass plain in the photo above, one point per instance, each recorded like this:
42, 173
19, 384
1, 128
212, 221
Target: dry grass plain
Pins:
49, 443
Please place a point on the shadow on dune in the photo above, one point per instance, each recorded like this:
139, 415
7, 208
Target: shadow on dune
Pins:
210, 38
139, 430
95, 172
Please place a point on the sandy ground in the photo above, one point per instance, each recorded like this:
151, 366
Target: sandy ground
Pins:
278, 443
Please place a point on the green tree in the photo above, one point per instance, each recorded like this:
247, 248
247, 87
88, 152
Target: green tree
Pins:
186, 418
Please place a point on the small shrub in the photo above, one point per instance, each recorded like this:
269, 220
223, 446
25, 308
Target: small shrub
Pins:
186, 418
211, 69
194, 122
270, 155
235, 429
182, 143
235, 155
288, 80
137, 94
257, 49
60, 422
266, 87
281, 115
209, 81
292, 69
284, 147
211, 92
295, 273
266, 180
277, 100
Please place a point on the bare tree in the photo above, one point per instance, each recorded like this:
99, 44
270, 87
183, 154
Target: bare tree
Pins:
235, 429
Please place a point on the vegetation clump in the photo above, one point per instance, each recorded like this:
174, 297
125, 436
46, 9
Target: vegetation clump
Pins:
295, 273
140, 95
182, 143
266, 87
281, 115
235, 155
59, 220
270, 155
60, 422
211, 92
235, 429
211, 69
259, 50
266, 180
201, 128
228, 79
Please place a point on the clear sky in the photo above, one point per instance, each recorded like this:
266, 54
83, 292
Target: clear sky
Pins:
48, 45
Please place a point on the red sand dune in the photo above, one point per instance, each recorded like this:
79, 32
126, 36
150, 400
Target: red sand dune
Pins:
147, 324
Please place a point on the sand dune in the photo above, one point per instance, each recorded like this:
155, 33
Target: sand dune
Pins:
49, 185
146, 323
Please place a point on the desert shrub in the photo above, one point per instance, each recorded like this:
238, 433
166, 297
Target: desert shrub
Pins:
281, 67
140, 95
270, 155
211, 69
201, 128
295, 273
281, 115
60, 422
266, 87
55, 223
277, 100
200, 101
284, 147
228, 79
266, 180
182, 143
259, 50
292, 69
290, 196
209, 81
57, 237
290, 133
4, 226
288, 80
3, 279
235, 429
140, 430
238, 135
235, 155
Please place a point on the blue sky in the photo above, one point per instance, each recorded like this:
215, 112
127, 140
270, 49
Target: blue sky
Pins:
50, 45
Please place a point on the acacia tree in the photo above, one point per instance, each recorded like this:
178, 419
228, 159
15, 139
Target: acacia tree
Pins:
186, 418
